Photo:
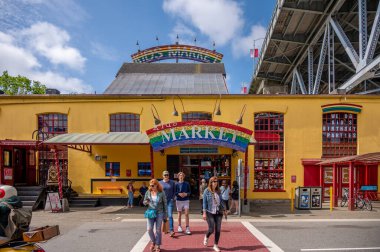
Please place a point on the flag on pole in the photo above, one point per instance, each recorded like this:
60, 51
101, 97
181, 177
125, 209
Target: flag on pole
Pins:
254, 53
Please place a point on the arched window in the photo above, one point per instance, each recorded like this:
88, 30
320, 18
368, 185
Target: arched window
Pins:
52, 124
339, 134
194, 116
124, 122
269, 152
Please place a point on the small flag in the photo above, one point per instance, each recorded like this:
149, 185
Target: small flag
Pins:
254, 53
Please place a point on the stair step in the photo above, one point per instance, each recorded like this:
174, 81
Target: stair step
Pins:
28, 203
82, 205
28, 193
29, 188
28, 198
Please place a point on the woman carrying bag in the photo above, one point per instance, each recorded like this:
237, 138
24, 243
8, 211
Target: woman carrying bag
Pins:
213, 211
156, 213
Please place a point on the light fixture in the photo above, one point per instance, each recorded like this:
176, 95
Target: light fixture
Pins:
217, 108
240, 120
235, 153
175, 112
162, 152
156, 117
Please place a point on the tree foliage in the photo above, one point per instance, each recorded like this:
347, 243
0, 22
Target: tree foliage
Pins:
19, 85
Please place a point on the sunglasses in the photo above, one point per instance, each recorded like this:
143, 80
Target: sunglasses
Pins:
165, 175
152, 185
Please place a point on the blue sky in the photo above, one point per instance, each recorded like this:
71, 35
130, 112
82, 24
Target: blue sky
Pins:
77, 46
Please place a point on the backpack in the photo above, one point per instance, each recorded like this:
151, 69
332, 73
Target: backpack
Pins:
18, 221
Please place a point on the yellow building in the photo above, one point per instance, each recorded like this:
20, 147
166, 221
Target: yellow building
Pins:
114, 138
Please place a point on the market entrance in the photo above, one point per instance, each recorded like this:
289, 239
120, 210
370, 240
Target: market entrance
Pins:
199, 166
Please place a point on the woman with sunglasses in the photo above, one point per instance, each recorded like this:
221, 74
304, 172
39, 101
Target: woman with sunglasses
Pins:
213, 211
156, 199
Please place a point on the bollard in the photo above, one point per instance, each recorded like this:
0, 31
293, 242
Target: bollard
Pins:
331, 199
292, 200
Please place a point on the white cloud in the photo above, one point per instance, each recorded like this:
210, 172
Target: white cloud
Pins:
103, 51
242, 45
20, 60
220, 20
52, 42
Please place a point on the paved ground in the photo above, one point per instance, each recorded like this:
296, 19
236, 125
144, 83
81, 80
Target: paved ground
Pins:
270, 227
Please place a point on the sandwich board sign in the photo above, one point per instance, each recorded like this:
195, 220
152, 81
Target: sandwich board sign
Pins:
53, 202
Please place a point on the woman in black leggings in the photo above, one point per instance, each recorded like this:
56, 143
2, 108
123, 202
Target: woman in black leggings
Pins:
213, 211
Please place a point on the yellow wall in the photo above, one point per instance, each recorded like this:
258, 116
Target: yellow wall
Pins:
90, 114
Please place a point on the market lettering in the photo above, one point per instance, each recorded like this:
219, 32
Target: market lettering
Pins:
167, 137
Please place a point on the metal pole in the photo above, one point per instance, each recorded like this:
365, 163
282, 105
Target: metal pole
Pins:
240, 165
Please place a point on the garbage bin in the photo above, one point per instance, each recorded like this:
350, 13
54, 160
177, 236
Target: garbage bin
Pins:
316, 197
302, 198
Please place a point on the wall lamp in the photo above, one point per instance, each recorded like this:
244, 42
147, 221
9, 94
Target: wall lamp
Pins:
156, 116
235, 153
162, 152
175, 112
217, 108
240, 120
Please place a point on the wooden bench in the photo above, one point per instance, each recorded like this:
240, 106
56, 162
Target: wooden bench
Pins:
119, 188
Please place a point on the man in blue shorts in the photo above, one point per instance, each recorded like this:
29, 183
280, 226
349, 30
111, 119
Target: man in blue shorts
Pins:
169, 189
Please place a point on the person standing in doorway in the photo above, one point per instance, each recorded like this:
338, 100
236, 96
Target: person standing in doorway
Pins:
168, 186
182, 193
155, 198
225, 193
213, 211
235, 197
142, 191
131, 191
202, 189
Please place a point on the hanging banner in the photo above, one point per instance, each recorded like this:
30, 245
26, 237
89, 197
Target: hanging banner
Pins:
199, 132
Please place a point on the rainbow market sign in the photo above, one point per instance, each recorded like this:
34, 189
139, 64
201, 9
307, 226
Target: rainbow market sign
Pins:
188, 52
199, 132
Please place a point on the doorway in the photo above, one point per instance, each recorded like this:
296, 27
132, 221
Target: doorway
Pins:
20, 172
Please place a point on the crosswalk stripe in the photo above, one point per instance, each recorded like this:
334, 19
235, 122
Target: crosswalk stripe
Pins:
141, 244
269, 244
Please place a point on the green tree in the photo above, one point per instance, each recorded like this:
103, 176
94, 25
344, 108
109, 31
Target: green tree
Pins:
19, 85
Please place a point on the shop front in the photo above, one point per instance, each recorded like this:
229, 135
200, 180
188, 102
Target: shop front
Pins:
18, 162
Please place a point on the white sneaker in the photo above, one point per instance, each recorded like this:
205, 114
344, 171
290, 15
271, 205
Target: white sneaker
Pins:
235, 213
216, 248
179, 229
188, 231
205, 240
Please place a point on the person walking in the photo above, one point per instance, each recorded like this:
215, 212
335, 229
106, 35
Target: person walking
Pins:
235, 197
142, 191
157, 210
213, 211
225, 193
182, 193
131, 191
168, 186
202, 188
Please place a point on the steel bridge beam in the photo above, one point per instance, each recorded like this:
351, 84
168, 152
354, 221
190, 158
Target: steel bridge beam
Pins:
321, 61
345, 42
300, 81
374, 37
362, 29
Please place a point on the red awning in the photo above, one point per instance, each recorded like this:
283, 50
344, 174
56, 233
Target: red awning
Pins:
20, 143
364, 158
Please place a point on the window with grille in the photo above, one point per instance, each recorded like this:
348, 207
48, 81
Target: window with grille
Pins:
269, 152
339, 134
52, 124
124, 122
194, 116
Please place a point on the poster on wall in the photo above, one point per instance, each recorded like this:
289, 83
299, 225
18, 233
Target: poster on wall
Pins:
326, 192
345, 176
8, 173
328, 175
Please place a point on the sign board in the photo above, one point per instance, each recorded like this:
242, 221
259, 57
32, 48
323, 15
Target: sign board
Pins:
55, 202
187, 52
8, 173
199, 132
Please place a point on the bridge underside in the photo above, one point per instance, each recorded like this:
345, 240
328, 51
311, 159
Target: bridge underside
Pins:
321, 47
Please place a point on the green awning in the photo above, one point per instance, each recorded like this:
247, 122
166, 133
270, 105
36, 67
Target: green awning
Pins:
114, 138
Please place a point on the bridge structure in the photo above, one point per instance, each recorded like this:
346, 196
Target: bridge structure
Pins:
320, 47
